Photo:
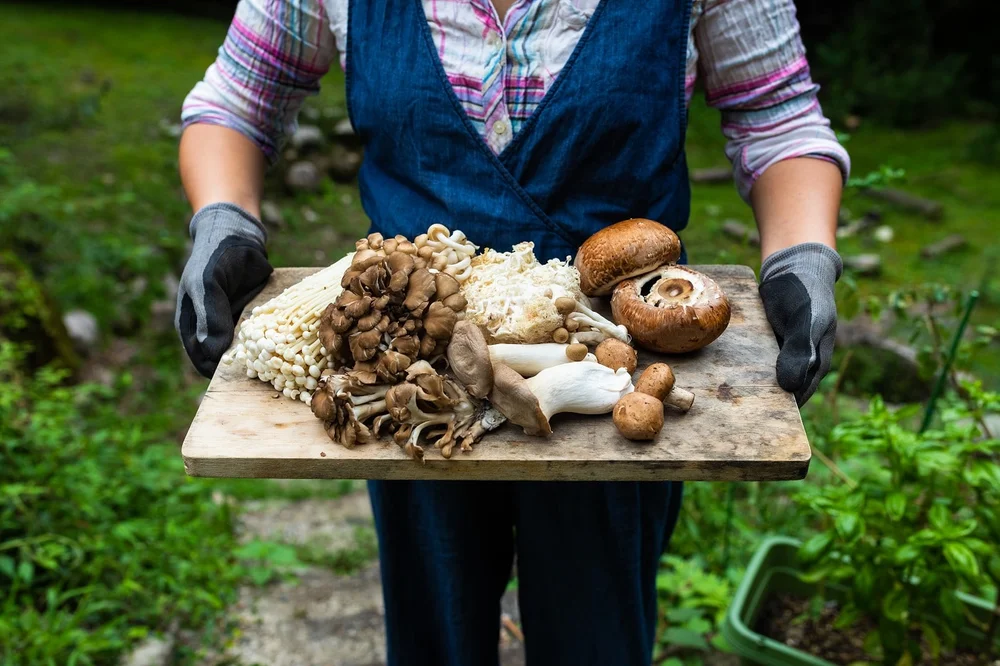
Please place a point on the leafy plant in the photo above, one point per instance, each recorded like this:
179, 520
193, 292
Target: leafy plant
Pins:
693, 602
102, 537
913, 521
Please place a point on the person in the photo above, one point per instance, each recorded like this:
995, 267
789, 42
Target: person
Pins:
514, 120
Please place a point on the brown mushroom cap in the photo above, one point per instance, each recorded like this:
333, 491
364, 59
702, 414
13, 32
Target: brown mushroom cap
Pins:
469, 359
615, 354
512, 398
683, 311
657, 380
638, 416
623, 250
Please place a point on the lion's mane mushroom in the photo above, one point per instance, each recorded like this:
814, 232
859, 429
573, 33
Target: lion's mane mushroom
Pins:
391, 308
684, 310
623, 250
425, 407
529, 360
516, 299
579, 388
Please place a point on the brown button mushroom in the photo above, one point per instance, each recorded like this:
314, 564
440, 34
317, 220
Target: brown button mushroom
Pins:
623, 250
638, 416
684, 310
469, 359
658, 381
615, 354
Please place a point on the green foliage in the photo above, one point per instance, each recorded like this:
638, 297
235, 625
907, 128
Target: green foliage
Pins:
914, 521
869, 68
693, 601
102, 537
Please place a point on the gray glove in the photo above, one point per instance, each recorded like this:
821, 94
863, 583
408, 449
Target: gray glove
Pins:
227, 268
796, 286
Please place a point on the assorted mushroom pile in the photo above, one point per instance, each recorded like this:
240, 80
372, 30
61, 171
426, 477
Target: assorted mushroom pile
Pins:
434, 344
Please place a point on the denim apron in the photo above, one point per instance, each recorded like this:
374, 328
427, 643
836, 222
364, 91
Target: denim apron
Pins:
605, 144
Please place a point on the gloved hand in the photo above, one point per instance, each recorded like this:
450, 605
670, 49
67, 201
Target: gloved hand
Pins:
227, 268
796, 286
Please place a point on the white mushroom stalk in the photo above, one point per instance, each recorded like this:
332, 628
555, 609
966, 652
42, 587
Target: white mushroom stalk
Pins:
579, 388
455, 249
278, 343
513, 299
529, 360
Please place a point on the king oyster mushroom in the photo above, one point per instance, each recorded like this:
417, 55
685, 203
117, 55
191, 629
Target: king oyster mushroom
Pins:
682, 311
579, 388
529, 360
626, 249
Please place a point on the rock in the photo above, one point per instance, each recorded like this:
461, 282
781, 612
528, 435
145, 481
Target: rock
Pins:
929, 208
309, 215
82, 329
864, 264
311, 113
712, 175
170, 130
270, 215
741, 232
943, 246
867, 221
151, 652
343, 129
344, 163
161, 315
307, 137
303, 177
884, 234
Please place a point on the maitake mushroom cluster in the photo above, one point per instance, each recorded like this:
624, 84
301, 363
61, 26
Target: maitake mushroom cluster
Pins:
394, 309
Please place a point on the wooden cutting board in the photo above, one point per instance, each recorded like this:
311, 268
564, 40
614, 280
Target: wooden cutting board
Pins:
742, 426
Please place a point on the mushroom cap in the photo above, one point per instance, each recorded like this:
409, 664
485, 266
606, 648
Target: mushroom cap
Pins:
683, 311
513, 398
623, 250
469, 359
638, 416
615, 354
657, 380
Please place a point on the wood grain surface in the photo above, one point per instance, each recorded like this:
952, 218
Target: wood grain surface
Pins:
742, 426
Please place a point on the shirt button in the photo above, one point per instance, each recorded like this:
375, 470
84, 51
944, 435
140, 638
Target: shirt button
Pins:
500, 127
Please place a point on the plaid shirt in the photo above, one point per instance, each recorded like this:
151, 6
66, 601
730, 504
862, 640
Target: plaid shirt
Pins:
748, 52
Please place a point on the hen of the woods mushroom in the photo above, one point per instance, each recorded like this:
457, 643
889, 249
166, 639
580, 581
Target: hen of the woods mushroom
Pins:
280, 341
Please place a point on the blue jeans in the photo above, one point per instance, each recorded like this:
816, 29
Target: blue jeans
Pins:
587, 555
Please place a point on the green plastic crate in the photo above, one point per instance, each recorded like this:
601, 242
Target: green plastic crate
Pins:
774, 569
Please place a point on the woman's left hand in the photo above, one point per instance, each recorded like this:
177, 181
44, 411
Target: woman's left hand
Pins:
797, 288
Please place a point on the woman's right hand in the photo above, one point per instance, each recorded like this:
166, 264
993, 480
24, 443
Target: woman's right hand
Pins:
228, 267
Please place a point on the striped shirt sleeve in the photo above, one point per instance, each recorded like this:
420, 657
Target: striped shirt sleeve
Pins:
755, 71
272, 59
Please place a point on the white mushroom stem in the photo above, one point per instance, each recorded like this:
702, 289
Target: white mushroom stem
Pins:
277, 343
587, 318
529, 360
579, 388
587, 337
